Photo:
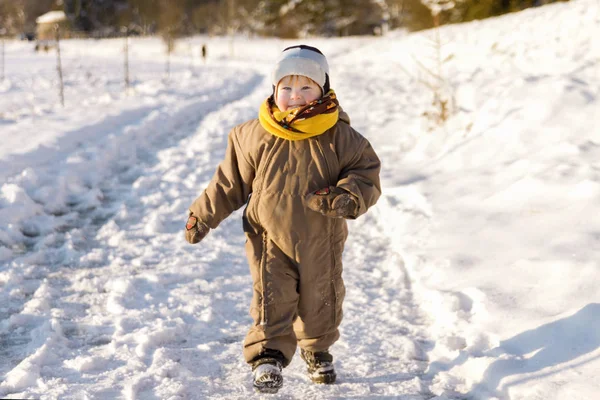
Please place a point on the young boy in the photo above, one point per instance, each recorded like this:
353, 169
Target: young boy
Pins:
301, 171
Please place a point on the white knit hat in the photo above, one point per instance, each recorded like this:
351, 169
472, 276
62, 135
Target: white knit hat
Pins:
302, 60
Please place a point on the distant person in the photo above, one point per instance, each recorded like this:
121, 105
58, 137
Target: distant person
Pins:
301, 170
204, 53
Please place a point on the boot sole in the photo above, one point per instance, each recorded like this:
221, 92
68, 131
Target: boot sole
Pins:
323, 379
266, 390
270, 386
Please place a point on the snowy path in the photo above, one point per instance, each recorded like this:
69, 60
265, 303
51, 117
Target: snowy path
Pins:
69, 308
123, 307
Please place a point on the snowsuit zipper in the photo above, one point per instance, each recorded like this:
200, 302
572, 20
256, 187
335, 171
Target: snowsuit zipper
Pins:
316, 139
263, 267
330, 227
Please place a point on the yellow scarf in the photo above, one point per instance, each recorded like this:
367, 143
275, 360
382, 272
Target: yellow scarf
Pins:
310, 120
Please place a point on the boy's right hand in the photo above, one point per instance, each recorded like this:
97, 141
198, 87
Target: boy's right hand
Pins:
333, 202
195, 230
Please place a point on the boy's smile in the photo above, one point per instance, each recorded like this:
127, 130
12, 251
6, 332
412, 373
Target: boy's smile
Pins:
296, 91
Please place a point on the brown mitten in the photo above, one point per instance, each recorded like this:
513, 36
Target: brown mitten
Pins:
333, 202
195, 230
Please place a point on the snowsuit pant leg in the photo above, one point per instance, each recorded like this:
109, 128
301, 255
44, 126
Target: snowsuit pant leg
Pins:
322, 293
275, 296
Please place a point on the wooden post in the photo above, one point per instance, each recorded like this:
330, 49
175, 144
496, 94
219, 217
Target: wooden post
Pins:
2, 33
59, 65
126, 61
168, 66
170, 42
2, 75
231, 7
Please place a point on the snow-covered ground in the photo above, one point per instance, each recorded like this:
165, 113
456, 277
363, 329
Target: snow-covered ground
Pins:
475, 277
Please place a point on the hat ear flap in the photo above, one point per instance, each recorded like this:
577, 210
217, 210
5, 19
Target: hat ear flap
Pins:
326, 86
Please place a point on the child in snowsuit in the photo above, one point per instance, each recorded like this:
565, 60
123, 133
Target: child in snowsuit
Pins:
301, 170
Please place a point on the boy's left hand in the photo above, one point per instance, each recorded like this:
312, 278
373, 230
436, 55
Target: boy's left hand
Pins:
195, 230
333, 202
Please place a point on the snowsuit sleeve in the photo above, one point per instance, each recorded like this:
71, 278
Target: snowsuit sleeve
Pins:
360, 176
229, 188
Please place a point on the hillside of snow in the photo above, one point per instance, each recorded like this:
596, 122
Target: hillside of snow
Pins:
474, 277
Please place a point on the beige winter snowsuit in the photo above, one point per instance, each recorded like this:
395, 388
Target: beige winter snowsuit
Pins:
295, 254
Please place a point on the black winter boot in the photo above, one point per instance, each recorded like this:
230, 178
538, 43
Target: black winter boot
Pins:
320, 366
266, 372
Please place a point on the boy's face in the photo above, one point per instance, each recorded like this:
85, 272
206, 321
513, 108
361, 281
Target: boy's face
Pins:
296, 91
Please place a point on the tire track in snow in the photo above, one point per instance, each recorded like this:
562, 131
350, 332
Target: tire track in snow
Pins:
190, 345
385, 260
439, 321
384, 338
213, 287
49, 290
